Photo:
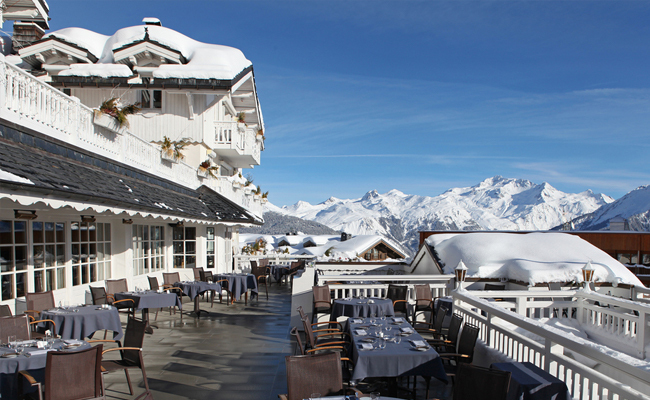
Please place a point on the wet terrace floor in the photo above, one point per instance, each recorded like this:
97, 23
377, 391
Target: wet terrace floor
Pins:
232, 352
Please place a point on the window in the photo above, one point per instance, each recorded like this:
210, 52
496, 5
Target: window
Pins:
48, 253
211, 245
150, 99
13, 259
91, 252
184, 247
148, 249
627, 258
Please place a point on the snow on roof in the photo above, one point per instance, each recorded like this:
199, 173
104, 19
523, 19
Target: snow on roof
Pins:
293, 240
8, 176
532, 257
320, 240
205, 61
92, 41
99, 70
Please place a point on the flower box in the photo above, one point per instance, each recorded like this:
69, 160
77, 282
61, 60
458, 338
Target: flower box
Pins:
202, 172
168, 155
108, 122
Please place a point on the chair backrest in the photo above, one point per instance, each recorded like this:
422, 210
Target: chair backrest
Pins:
169, 278
301, 311
153, 283
300, 349
493, 286
5, 311
99, 295
40, 301
309, 334
117, 286
467, 342
263, 262
439, 319
480, 383
253, 264
322, 296
317, 373
423, 295
18, 325
257, 270
206, 276
133, 337
73, 375
454, 328
197, 273
397, 292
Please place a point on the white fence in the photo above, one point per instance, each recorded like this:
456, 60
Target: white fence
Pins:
619, 379
34, 104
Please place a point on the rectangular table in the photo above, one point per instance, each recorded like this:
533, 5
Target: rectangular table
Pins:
529, 382
396, 359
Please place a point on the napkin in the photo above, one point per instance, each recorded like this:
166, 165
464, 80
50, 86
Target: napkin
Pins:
418, 343
365, 346
356, 321
37, 352
399, 319
360, 332
73, 341
406, 330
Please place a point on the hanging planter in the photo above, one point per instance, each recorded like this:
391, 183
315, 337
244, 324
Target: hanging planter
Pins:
110, 115
172, 150
207, 169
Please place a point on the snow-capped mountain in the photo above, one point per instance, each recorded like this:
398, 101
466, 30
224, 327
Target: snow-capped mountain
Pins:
495, 204
634, 207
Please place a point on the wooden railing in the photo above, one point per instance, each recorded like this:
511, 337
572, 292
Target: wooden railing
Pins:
623, 380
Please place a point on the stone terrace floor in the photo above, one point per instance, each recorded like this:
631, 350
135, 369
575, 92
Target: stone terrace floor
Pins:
234, 352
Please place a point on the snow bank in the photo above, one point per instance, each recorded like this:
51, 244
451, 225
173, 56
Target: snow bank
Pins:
532, 257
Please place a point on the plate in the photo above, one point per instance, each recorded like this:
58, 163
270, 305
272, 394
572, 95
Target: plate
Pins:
405, 333
72, 346
10, 355
368, 340
420, 348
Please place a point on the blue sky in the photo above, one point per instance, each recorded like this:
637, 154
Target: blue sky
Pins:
422, 96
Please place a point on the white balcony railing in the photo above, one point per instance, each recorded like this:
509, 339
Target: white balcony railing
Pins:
620, 377
238, 138
29, 102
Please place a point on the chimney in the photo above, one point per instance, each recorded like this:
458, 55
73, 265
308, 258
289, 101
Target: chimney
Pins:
152, 21
345, 236
26, 33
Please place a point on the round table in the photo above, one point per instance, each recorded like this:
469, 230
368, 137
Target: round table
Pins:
195, 288
82, 322
239, 284
361, 308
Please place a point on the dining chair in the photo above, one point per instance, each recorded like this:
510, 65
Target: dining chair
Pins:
207, 276
100, 296
434, 326
37, 302
480, 383
324, 336
465, 350
330, 324
169, 278
398, 294
197, 273
321, 301
130, 352
18, 326
70, 375
449, 341
5, 311
424, 301
262, 274
315, 373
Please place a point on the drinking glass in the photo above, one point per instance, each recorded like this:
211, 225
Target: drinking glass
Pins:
11, 341
398, 339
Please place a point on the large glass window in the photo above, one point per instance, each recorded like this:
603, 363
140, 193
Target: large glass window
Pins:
148, 249
91, 252
184, 247
48, 253
13, 259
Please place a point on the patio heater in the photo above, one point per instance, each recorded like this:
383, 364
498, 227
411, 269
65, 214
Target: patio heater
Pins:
461, 273
588, 274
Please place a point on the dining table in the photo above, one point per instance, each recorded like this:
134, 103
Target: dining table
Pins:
193, 289
529, 382
390, 348
81, 322
31, 359
354, 307
146, 299
278, 271
238, 284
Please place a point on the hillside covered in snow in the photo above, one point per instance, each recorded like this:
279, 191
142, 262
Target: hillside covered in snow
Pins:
495, 204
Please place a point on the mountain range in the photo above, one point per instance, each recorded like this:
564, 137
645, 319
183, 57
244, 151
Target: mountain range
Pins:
496, 203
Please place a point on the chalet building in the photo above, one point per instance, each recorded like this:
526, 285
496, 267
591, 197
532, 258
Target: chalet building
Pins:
87, 196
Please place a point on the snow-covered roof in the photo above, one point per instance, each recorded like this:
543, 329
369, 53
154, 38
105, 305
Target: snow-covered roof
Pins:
98, 70
204, 61
533, 257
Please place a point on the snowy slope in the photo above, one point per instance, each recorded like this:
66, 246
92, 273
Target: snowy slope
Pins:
634, 207
495, 204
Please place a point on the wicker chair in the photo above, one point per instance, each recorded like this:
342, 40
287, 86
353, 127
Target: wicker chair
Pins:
5, 311
37, 302
332, 325
423, 301
169, 278
465, 352
197, 273
316, 373
449, 341
398, 293
101, 297
434, 327
130, 353
262, 274
324, 336
18, 325
322, 301
73, 375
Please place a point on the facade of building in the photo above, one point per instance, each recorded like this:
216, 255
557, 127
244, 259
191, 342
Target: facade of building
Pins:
85, 198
